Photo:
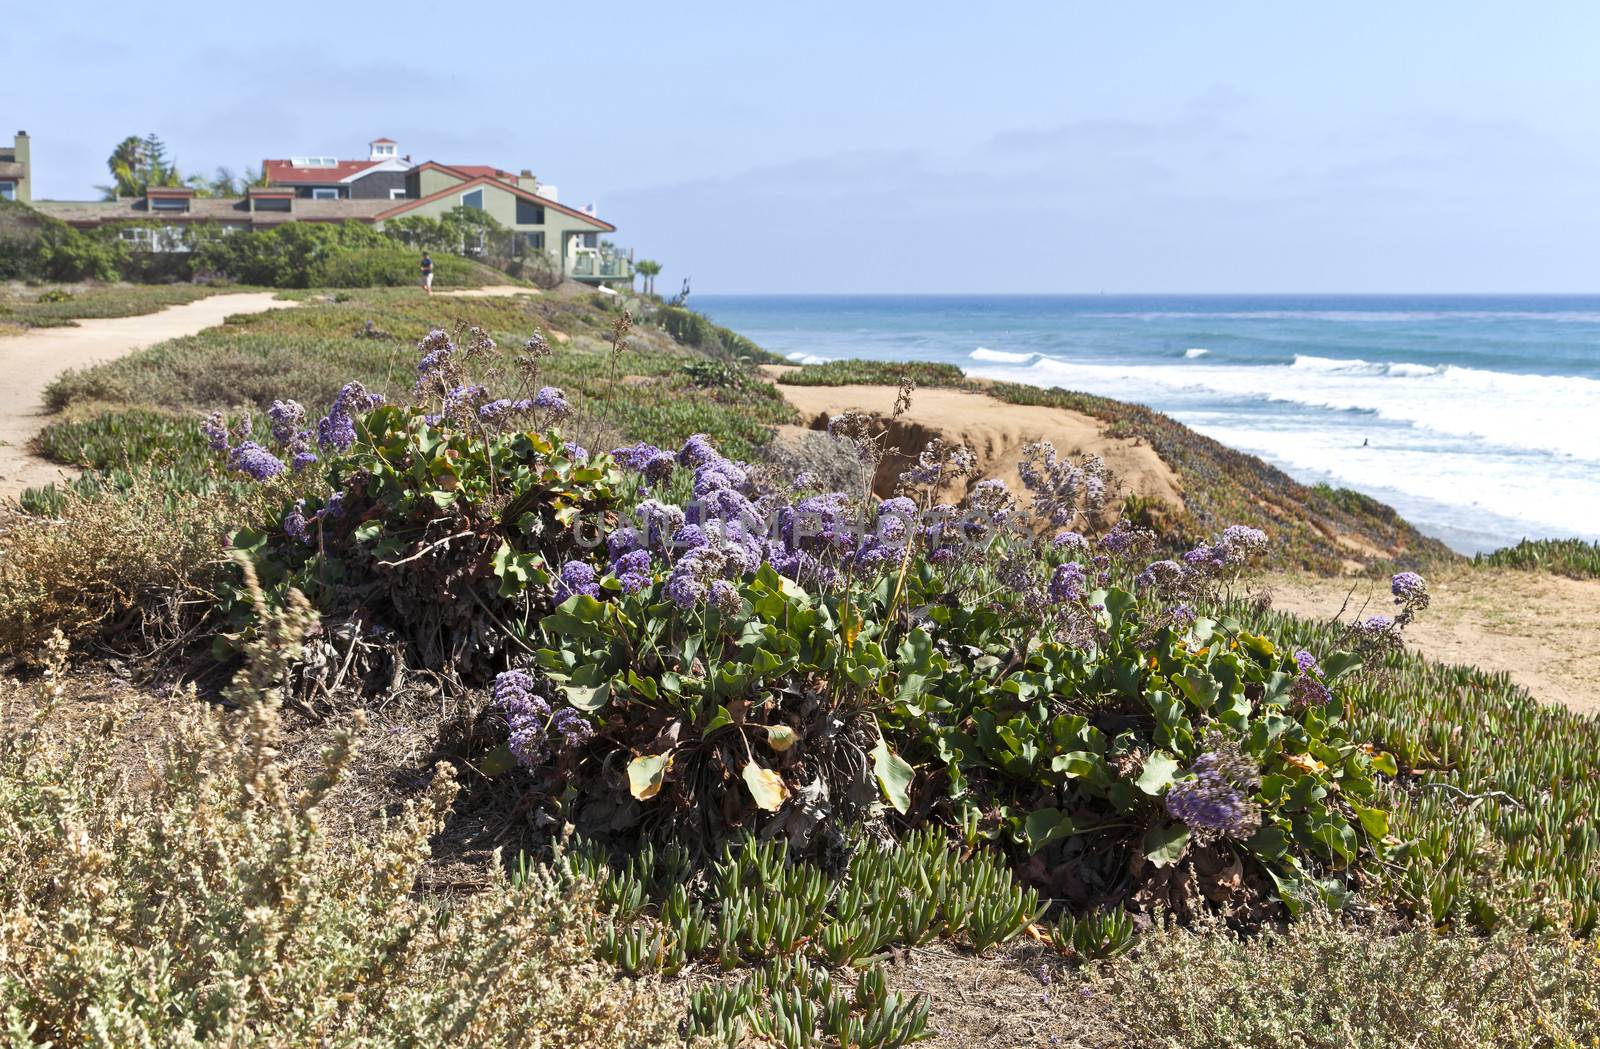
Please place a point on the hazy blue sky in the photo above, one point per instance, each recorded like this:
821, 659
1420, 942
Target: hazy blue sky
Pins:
1144, 146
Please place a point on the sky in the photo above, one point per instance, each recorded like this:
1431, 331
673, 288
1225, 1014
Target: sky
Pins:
1069, 147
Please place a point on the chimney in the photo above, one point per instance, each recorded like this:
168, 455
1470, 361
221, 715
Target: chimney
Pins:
24, 185
526, 181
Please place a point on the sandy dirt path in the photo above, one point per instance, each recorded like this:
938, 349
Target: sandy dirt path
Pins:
29, 361
1542, 629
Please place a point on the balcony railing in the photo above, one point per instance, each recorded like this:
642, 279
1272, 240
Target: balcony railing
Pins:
602, 267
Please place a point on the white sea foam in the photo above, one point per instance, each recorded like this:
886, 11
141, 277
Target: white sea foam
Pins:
983, 353
1196, 351
801, 357
1558, 414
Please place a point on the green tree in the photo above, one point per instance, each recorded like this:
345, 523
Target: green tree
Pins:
137, 164
648, 268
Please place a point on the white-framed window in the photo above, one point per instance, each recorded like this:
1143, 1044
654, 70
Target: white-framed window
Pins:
397, 193
383, 150
137, 236
324, 193
8, 191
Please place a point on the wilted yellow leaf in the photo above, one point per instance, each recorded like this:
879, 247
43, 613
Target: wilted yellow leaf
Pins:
645, 774
765, 786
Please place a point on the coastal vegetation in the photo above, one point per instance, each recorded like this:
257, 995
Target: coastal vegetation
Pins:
1569, 557
700, 744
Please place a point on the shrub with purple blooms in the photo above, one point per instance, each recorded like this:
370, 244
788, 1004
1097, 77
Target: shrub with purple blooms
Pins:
684, 646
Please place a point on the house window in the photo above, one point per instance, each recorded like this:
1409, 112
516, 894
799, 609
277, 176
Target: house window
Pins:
473, 199
533, 241
397, 194
589, 240
169, 203
272, 204
8, 191
137, 236
529, 213
324, 193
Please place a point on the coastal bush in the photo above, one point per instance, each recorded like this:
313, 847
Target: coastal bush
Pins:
1328, 984
141, 558
656, 620
202, 899
1568, 557
697, 330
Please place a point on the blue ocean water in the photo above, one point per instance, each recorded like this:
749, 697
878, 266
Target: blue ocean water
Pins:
1477, 417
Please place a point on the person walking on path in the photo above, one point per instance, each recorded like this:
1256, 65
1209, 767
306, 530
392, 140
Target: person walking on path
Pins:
427, 273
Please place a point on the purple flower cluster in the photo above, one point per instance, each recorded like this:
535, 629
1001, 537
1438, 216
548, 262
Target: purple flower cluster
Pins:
295, 525
1068, 583
576, 577
535, 732
1308, 689
337, 430
550, 399
250, 458
1062, 488
1216, 801
1410, 592
643, 458
216, 430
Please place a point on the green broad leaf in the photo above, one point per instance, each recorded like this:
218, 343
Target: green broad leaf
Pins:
645, 774
1164, 843
1118, 604
1200, 688
645, 686
894, 776
443, 498
1269, 842
1374, 821
1384, 762
721, 719
780, 737
248, 540
1159, 770
1257, 646
765, 786
498, 761
1046, 825
1338, 665
1075, 764
587, 698
368, 531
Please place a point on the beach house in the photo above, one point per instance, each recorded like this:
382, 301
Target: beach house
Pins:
15, 181
382, 188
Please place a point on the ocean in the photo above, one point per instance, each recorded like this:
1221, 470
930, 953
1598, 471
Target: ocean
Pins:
1477, 417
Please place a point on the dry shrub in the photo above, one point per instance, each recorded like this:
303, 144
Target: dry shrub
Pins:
140, 561
1323, 984
202, 901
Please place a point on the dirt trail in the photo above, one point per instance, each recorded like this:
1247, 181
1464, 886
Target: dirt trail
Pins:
32, 359
1542, 629
993, 429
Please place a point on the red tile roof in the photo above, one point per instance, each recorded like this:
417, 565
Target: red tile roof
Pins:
284, 171
479, 170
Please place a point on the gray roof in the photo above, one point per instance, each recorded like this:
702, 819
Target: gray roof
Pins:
213, 209
8, 169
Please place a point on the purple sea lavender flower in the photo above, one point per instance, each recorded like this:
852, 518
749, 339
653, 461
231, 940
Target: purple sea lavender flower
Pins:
1067, 582
724, 597
1160, 575
552, 400
577, 577
216, 430
569, 729
1070, 542
250, 458
632, 570
286, 418
294, 522
1216, 802
685, 589
1408, 588
697, 450
577, 452
622, 540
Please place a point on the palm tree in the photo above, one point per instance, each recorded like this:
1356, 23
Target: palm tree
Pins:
125, 163
648, 268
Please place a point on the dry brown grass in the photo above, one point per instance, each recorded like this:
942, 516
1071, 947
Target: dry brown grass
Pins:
142, 563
